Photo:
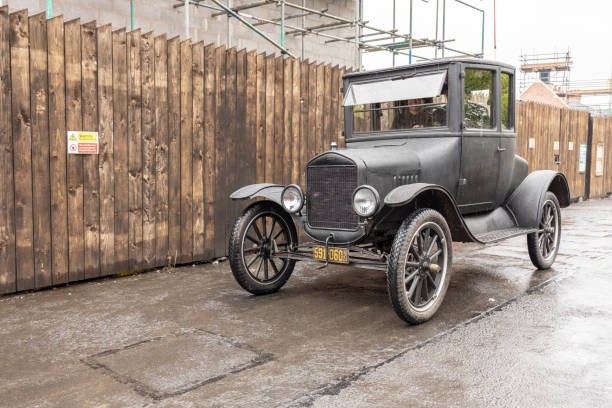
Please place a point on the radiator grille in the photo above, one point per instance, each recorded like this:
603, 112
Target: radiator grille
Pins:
330, 190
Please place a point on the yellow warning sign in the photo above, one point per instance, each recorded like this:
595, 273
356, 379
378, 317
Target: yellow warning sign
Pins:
80, 142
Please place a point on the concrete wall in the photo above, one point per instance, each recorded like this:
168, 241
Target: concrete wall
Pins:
159, 16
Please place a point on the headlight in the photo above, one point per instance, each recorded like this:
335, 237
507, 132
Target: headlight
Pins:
365, 201
292, 198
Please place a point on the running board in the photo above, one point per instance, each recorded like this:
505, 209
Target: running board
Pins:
499, 235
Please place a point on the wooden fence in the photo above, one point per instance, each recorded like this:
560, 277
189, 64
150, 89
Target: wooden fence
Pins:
181, 125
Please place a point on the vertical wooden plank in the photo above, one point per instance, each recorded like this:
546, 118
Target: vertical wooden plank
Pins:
250, 171
279, 121
220, 131
7, 198
91, 181
260, 120
198, 151
147, 55
242, 152
287, 119
327, 108
270, 89
161, 150
174, 149
120, 151
229, 175
106, 160
41, 194
57, 150
210, 121
320, 108
186, 148
333, 109
134, 151
304, 125
340, 111
22, 145
312, 109
295, 124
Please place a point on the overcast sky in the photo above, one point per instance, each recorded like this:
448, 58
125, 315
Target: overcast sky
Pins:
529, 26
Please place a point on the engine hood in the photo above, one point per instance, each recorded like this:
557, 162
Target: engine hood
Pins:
383, 166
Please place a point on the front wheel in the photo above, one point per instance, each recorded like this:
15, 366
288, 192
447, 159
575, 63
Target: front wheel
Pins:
543, 245
419, 268
260, 232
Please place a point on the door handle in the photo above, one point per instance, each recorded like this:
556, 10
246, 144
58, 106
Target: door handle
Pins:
501, 149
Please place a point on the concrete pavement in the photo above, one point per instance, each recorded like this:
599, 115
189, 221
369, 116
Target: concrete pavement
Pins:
506, 335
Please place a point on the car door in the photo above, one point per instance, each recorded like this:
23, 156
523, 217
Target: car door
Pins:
480, 140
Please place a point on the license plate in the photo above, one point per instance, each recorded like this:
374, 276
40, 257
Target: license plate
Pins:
336, 255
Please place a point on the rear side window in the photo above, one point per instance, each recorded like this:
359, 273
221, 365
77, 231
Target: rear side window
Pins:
507, 84
478, 99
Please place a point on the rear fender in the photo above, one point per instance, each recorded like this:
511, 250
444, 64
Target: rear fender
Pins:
268, 191
527, 200
432, 196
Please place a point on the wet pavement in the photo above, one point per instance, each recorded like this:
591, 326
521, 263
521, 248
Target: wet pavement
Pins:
506, 335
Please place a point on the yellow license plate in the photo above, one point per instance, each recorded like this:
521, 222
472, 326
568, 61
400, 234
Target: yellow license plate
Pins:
336, 255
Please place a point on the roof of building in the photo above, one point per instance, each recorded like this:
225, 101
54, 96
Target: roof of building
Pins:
542, 93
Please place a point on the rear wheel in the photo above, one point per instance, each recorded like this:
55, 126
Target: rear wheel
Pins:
261, 231
419, 268
543, 245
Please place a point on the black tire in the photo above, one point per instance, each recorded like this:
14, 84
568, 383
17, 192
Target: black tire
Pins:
410, 264
244, 252
543, 245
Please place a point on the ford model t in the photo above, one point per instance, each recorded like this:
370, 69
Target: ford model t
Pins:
430, 159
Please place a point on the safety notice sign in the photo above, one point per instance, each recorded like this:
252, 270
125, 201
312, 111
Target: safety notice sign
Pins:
83, 142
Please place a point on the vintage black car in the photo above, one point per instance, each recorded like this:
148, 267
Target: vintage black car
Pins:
430, 159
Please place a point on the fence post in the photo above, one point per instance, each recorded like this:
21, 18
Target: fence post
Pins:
587, 181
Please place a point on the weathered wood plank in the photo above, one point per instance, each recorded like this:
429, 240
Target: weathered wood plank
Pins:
334, 106
57, 147
161, 150
198, 152
147, 55
270, 88
186, 148
260, 118
174, 149
210, 121
229, 175
41, 194
7, 199
312, 109
320, 108
220, 131
295, 124
241, 154
91, 181
134, 150
287, 120
106, 160
120, 151
249, 149
340, 111
22, 145
327, 108
279, 121
304, 125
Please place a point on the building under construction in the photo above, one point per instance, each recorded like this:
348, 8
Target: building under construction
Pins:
325, 30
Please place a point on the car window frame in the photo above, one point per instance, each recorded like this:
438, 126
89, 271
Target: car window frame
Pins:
495, 99
511, 100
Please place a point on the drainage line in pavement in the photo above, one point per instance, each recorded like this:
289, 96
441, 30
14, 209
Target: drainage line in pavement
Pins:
343, 382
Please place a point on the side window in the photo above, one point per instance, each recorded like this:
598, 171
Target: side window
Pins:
479, 99
507, 85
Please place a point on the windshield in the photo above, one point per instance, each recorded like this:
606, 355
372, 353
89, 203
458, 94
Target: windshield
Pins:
411, 103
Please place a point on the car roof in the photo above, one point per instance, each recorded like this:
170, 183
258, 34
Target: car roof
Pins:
444, 61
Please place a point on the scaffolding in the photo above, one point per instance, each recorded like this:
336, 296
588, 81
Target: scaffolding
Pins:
364, 37
552, 68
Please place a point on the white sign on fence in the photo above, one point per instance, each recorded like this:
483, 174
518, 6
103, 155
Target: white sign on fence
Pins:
599, 158
80, 142
582, 158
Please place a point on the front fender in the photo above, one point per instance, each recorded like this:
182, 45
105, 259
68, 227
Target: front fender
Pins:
527, 200
436, 197
269, 191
